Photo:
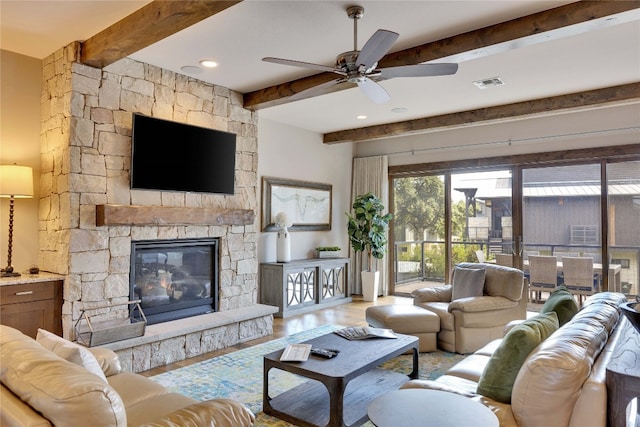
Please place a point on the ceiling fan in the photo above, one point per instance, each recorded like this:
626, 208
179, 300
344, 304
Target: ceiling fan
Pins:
359, 66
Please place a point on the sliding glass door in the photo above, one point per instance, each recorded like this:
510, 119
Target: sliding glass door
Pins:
419, 230
442, 220
561, 210
623, 228
561, 217
481, 216
581, 209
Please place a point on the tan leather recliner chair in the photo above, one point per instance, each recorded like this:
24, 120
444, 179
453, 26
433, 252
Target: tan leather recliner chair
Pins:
467, 324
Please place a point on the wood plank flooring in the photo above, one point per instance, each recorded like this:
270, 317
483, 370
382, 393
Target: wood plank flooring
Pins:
346, 314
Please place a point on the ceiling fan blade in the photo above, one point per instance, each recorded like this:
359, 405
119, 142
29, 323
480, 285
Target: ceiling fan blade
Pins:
299, 64
316, 90
419, 70
376, 47
374, 91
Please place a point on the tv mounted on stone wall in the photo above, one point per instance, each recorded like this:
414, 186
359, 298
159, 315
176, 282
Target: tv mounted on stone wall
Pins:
172, 156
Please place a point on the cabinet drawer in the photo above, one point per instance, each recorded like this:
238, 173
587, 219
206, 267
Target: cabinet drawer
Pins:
13, 294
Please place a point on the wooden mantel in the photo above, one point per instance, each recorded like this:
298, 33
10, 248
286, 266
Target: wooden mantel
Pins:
167, 215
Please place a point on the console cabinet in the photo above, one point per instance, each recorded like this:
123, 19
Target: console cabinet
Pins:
31, 303
304, 285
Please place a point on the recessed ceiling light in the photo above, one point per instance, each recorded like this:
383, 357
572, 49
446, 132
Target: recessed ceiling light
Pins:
191, 69
490, 82
209, 63
361, 117
399, 110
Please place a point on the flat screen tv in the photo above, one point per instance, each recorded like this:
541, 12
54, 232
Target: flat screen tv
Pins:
172, 156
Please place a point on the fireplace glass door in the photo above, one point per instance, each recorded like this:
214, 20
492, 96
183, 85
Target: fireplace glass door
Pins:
174, 279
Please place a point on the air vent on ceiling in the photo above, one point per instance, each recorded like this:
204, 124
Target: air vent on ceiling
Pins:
486, 83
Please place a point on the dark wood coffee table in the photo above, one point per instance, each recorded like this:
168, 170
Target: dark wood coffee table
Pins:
342, 387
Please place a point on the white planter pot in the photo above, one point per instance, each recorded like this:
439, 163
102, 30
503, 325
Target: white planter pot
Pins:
370, 283
284, 246
328, 254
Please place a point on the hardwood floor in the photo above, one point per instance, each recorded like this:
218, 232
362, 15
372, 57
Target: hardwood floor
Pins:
351, 314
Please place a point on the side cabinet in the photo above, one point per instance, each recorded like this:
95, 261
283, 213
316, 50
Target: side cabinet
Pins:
304, 285
623, 375
31, 305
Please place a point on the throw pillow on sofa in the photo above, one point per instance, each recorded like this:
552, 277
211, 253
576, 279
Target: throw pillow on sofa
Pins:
562, 302
71, 352
502, 369
467, 282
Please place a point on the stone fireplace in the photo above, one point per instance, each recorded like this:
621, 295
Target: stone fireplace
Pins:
89, 216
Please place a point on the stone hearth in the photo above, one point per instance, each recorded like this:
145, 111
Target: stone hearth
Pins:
177, 340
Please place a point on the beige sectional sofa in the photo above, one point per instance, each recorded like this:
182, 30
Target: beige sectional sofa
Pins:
55, 382
561, 382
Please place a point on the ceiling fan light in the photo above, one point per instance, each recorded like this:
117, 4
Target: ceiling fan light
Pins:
208, 63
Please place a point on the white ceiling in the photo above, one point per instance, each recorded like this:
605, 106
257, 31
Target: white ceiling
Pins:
607, 53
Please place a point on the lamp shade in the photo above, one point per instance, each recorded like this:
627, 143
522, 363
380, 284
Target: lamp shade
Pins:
16, 181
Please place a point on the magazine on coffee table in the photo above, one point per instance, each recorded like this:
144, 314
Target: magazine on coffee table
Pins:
364, 332
296, 353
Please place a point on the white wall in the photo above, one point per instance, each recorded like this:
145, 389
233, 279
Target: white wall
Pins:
293, 153
20, 83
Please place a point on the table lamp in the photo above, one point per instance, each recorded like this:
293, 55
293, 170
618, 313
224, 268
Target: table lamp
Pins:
16, 182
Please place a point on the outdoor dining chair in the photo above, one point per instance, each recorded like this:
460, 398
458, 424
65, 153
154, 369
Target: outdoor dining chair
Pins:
543, 275
578, 275
504, 259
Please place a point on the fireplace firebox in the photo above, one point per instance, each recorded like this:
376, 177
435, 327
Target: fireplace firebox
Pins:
174, 279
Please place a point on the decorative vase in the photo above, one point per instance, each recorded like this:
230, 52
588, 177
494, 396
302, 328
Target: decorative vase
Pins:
370, 280
284, 245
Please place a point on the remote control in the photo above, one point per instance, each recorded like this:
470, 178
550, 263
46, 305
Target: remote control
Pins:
324, 352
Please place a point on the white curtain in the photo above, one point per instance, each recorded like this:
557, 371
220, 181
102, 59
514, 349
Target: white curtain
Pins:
370, 174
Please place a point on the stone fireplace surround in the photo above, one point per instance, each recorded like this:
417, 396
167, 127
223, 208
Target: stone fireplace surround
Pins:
89, 216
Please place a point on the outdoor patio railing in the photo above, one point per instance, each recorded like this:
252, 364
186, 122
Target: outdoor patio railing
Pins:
424, 259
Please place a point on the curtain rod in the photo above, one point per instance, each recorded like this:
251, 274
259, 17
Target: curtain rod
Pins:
503, 142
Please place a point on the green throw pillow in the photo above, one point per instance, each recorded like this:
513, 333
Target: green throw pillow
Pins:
562, 302
502, 369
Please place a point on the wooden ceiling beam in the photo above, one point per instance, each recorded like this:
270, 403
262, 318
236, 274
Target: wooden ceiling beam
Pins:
545, 21
149, 24
611, 95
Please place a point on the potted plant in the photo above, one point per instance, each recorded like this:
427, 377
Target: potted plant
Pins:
328, 251
367, 229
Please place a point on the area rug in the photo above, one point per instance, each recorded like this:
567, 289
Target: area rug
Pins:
238, 375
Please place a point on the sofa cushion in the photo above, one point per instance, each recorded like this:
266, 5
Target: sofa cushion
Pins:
502, 369
70, 351
561, 364
63, 392
467, 282
216, 412
500, 281
447, 320
107, 359
435, 294
563, 303
598, 314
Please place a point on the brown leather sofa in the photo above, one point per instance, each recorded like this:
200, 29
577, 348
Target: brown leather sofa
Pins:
467, 324
562, 382
41, 388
